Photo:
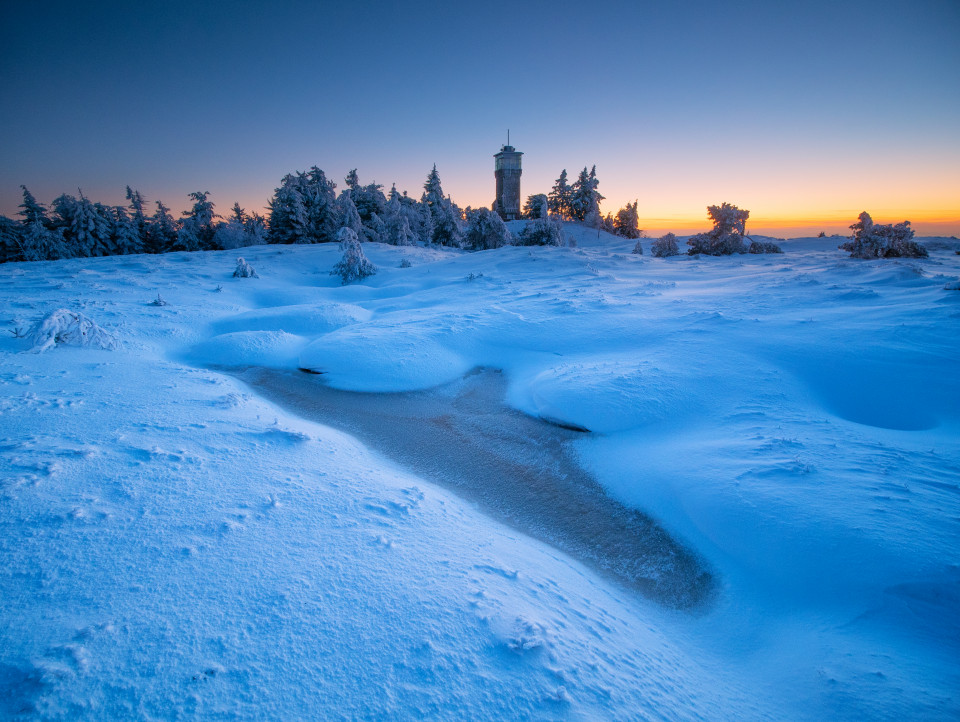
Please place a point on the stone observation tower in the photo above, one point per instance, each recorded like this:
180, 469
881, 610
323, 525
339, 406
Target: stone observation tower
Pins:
507, 172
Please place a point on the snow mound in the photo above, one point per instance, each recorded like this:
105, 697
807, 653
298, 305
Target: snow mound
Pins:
275, 349
69, 327
364, 358
302, 319
607, 395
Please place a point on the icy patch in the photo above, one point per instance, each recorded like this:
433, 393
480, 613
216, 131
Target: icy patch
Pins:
364, 358
248, 348
71, 328
304, 320
514, 467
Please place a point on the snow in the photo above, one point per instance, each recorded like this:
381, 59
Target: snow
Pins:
174, 544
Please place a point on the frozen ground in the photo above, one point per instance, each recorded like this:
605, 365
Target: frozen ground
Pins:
174, 544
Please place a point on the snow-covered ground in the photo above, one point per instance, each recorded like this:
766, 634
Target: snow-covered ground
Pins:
174, 545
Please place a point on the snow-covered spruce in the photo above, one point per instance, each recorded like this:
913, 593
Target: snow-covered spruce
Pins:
664, 246
69, 327
353, 266
637, 249
244, 270
627, 222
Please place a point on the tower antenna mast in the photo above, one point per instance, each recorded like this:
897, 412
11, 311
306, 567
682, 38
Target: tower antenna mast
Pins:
508, 136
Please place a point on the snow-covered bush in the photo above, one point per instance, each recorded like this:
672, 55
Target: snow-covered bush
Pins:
244, 270
764, 247
952, 286
638, 249
873, 240
353, 266
726, 238
664, 246
69, 327
485, 229
710, 244
542, 232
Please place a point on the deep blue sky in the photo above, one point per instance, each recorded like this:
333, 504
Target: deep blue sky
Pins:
794, 110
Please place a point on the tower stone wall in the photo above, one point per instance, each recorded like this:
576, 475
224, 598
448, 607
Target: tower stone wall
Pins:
507, 172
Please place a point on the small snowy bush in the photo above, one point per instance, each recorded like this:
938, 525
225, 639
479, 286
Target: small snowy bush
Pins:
353, 266
764, 247
69, 327
244, 270
874, 240
638, 249
664, 246
542, 232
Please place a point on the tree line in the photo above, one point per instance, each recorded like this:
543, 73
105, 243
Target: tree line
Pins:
305, 208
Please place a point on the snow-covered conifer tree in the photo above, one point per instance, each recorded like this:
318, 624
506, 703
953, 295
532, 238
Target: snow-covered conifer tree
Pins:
352, 180
256, 229
535, 207
39, 243
432, 191
353, 265
347, 216
627, 222
584, 195
196, 227
485, 229
446, 224
31, 210
288, 215
403, 236
161, 231
125, 235
86, 230
559, 201
10, 240
592, 218
376, 230
137, 213
319, 202
230, 235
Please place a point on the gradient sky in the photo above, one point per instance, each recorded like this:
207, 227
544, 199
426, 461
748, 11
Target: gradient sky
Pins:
804, 113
